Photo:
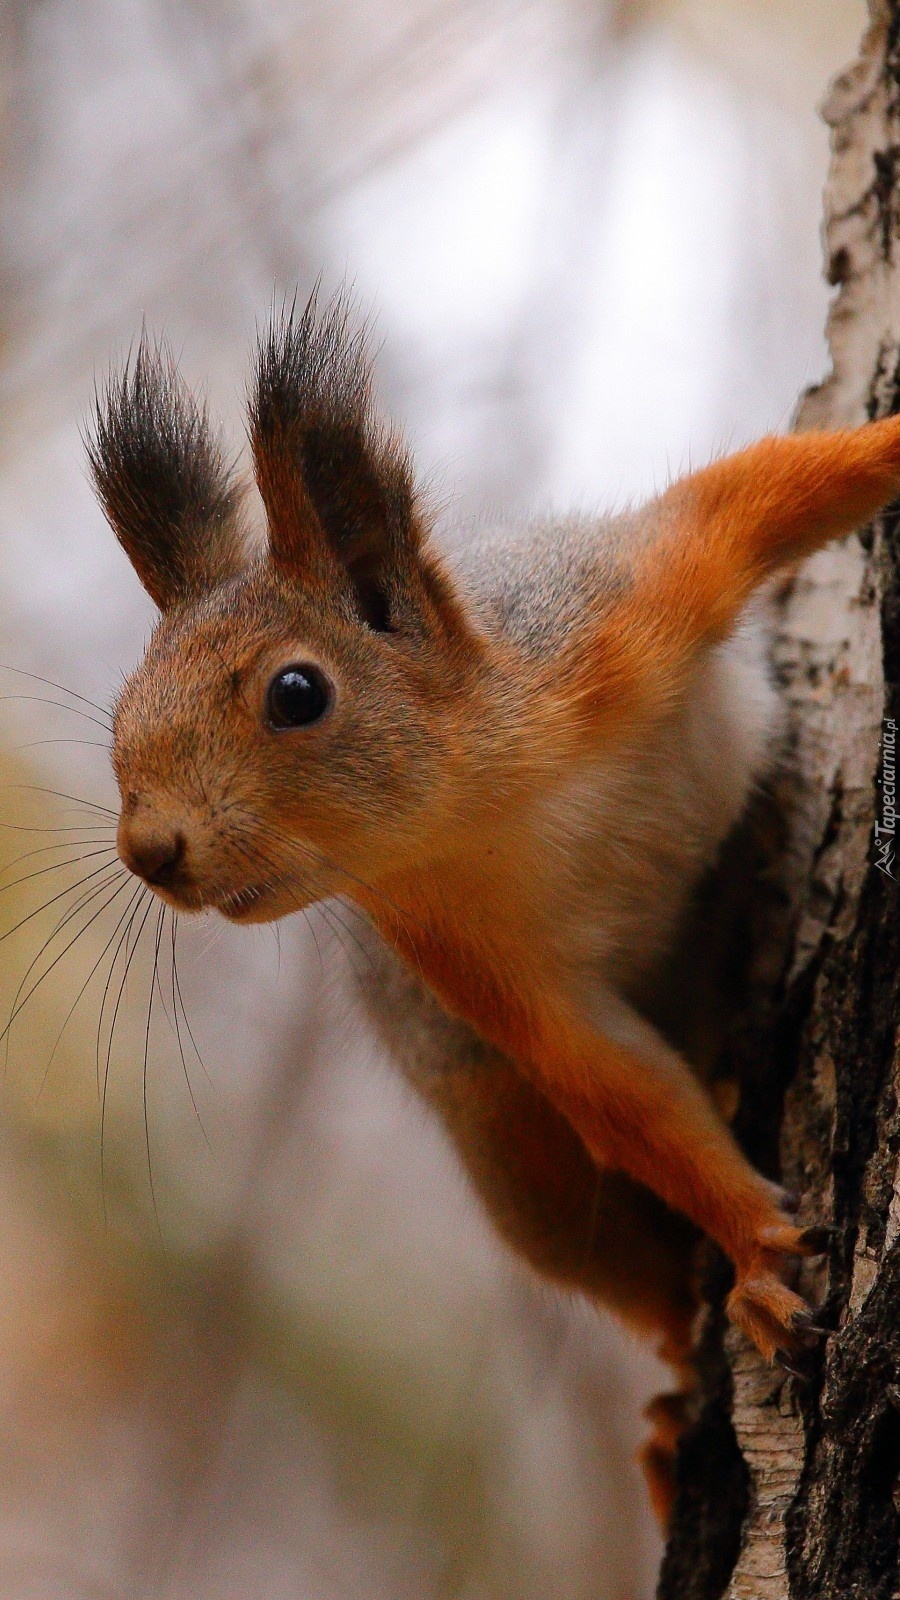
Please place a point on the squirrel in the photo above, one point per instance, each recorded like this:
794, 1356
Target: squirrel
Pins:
516, 755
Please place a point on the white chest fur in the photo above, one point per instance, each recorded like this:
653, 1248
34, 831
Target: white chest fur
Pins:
640, 827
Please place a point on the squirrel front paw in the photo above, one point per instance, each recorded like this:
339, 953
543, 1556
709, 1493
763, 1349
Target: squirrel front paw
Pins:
762, 1304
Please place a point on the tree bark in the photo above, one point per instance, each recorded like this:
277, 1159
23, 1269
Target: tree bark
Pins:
790, 1487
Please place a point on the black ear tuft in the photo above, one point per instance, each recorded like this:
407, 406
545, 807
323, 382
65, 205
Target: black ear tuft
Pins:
162, 479
337, 490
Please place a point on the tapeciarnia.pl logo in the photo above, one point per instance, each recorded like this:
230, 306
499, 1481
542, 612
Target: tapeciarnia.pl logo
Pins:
886, 827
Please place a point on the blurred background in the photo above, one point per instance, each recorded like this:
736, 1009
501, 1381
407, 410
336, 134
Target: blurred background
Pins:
255, 1338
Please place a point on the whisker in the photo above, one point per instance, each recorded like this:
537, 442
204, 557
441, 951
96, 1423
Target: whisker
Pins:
315, 938
254, 856
45, 850
129, 911
123, 944
129, 957
52, 901
49, 683
187, 1020
59, 794
397, 911
336, 932
100, 889
72, 827
329, 909
187, 1076
153, 981
57, 866
44, 700
61, 924
71, 1011
335, 866
72, 911
314, 852
213, 935
252, 853
33, 744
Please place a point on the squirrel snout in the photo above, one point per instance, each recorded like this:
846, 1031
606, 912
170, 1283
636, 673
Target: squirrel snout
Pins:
152, 849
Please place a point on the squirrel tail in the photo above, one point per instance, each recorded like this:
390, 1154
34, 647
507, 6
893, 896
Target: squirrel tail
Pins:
717, 535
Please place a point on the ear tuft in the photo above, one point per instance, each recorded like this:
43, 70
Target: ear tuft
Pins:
314, 366
338, 491
162, 479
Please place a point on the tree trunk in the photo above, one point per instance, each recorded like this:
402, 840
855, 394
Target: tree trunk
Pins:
791, 1486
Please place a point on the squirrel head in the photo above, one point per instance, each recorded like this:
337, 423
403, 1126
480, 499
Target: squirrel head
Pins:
294, 729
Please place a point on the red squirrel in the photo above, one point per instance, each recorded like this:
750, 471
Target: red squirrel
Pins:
516, 754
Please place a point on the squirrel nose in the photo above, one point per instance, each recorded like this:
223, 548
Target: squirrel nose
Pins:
152, 850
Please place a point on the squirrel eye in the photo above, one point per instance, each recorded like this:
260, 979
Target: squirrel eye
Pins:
297, 696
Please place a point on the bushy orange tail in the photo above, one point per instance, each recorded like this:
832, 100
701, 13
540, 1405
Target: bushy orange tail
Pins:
720, 533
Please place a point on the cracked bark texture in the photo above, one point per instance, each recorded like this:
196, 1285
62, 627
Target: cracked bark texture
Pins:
791, 1489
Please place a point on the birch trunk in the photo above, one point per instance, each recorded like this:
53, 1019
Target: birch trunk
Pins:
789, 1488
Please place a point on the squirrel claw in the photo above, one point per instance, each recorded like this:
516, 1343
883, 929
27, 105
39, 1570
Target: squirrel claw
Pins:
786, 1200
816, 1241
790, 1364
764, 1303
765, 1309
785, 1239
804, 1323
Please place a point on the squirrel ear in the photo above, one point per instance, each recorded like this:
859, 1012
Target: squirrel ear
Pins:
338, 492
162, 480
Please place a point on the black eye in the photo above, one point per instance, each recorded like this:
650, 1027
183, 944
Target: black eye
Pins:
296, 696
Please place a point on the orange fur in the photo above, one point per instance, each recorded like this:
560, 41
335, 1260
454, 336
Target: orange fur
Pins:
465, 786
723, 531
657, 1125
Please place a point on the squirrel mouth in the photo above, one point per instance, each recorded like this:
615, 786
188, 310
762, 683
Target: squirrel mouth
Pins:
241, 901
